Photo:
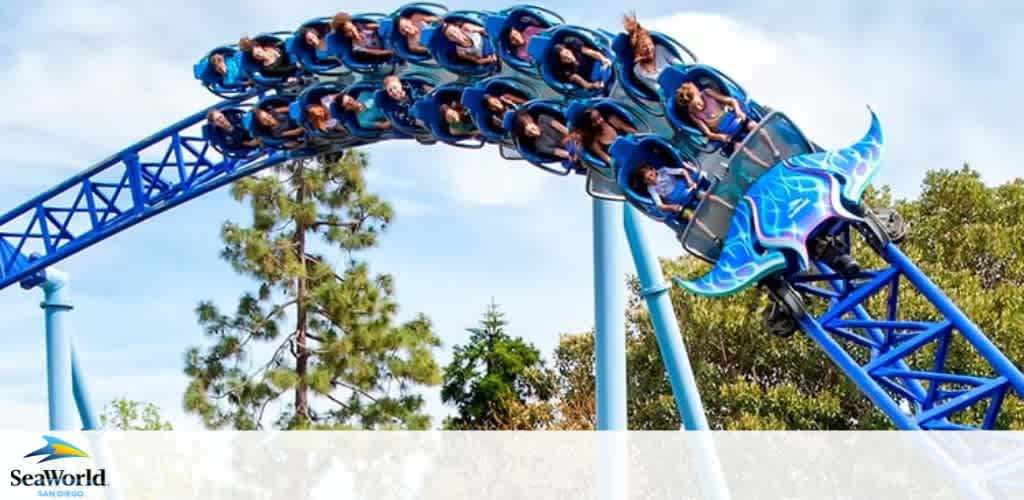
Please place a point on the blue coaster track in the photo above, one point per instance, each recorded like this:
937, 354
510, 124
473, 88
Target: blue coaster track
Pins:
785, 226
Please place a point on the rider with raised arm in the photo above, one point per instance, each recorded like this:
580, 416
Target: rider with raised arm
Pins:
469, 39
649, 59
365, 36
569, 57
721, 118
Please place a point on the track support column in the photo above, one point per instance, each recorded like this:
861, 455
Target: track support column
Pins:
666, 328
59, 377
609, 318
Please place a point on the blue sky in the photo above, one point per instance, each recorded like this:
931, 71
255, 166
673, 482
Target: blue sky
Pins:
84, 79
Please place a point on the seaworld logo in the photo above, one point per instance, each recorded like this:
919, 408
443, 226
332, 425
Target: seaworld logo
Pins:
57, 449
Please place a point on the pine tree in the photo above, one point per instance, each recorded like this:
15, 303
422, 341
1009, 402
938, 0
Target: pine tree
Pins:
336, 359
492, 374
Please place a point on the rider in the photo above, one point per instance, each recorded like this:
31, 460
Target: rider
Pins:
673, 189
518, 40
411, 26
368, 115
458, 119
272, 57
365, 36
501, 104
228, 70
597, 132
569, 56
649, 59
276, 123
314, 38
721, 118
320, 118
404, 94
469, 39
230, 122
545, 135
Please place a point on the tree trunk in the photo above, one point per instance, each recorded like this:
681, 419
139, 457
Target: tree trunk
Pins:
301, 353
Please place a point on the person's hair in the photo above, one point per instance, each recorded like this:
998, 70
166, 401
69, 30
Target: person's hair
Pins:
317, 116
307, 31
509, 35
522, 120
637, 179
681, 92
339, 21
559, 47
636, 32
246, 44
391, 78
210, 113
260, 123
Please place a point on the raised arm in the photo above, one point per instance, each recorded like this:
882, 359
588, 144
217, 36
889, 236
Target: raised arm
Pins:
621, 125
722, 98
558, 126
587, 51
295, 132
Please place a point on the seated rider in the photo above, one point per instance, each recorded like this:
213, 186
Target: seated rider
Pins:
230, 122
319, 116
276, 123
364, 36
570, 56
721, 118
404, 94
469, 39
673, 190
458, 119
518, 40
314, 38
649, 59
411, 26
228, 72
273, 59
598, 132
368, 115
545, 135
499, 105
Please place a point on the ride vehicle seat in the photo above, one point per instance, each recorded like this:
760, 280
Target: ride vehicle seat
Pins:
548, 149
368, 122
526, 22
460, 59
582, 44
492, 125
318, 96
667, 52
704, 77
226, 79
309, 46
614, 114
430, 110
404, 28
282, 131
376, 57
238, 142
278, 72
400, 112
631, 151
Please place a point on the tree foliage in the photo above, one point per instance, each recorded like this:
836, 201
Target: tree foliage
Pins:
494, 375
336, 357
124, 414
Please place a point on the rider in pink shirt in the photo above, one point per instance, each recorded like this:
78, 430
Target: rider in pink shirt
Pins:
519, 40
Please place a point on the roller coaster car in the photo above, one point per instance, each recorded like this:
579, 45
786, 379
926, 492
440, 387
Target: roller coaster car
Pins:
577, 115
542, 49
637, 90
390, 32
228, 145
630, 151
445, 52
428, 110
341, 47
235, 84
400, 114
364, 92
297, 110
526, 149
270, 77
741, 172
704, 77
519, 18
319, 61
267, 137
492, 126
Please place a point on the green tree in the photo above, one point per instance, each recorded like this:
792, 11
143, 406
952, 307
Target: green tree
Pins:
964, 235
337, 359
492, 374
124, 414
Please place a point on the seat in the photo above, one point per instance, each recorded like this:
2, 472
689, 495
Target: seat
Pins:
541, 48
623, 61
233, 85
313, 95
322, 62
577, 112
341, 47
473, 98
428, 110
704, 77
255, 69
220, 141
629, 152
550, 164
519, 17
389, 31
445, 52
351, 122
401, 115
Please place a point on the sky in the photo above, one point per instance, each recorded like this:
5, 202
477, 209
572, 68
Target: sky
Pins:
85, 79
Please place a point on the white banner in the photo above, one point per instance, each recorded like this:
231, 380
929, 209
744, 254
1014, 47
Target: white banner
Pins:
511, 465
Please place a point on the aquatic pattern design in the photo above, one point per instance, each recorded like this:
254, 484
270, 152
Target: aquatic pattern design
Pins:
784, 207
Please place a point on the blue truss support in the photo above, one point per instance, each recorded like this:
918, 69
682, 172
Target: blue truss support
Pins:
160, 172
889, 358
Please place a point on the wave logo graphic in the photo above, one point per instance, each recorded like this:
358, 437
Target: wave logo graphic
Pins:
57, 449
